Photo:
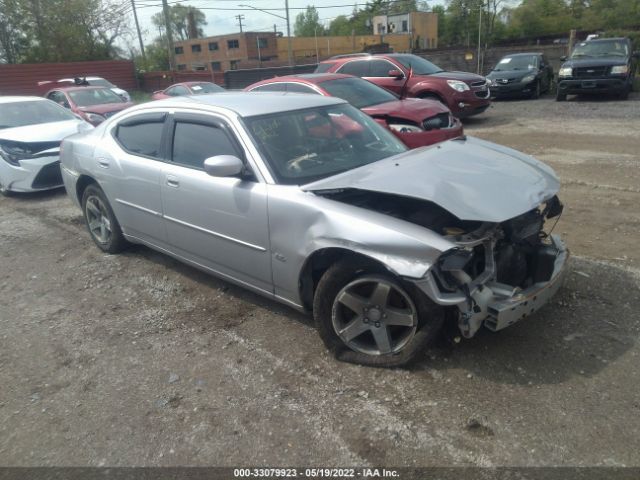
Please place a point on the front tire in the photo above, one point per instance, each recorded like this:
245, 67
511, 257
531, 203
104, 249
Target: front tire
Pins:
4, 191
536, 91
560, 97
101, 221
367, 316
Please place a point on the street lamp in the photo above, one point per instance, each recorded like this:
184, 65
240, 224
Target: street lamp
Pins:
286, 6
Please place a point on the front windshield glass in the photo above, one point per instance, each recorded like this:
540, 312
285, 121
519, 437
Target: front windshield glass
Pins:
101, 82
358, 92
21, 114
609, 48
307, 145
94, 96
419, 65
520, 62
205, 87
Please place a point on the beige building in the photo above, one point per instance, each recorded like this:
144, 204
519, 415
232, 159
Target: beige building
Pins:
225, 52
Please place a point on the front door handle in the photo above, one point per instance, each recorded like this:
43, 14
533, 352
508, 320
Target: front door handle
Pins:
172, 181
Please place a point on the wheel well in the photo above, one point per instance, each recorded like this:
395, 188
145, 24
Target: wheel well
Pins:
319, 262
81, 185
435, 96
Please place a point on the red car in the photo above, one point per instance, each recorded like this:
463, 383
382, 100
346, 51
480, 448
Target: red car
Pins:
94, 104
414, 121
407, 75
187, 88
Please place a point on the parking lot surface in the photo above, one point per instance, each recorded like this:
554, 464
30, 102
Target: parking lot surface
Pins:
136, 359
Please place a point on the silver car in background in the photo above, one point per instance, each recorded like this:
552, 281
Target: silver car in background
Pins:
306, 200
31, 129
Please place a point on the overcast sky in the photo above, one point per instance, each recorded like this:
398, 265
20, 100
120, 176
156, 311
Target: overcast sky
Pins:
221, 13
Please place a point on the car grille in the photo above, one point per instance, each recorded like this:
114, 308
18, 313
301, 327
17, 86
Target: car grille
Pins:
442, 120
504, 81
479, 84
590, 72
48, 176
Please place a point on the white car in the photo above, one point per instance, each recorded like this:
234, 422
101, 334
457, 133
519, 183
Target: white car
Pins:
31, 129
101, 82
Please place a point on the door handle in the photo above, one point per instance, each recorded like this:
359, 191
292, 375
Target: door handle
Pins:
172, 181
102, 163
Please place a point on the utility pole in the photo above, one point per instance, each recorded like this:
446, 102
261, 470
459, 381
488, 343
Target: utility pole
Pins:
289, 49
167, 26
479, 30
135, 17
240, 18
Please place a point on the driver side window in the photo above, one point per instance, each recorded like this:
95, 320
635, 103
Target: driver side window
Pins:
195, 142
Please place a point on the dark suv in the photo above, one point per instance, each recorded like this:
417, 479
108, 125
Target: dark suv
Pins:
408, 75
605, 65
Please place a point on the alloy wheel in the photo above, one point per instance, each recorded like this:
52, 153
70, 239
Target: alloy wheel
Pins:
98, 219
374, 316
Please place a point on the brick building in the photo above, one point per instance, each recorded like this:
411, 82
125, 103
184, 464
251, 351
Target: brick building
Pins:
225, 52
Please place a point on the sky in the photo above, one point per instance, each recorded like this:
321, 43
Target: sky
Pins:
221, 13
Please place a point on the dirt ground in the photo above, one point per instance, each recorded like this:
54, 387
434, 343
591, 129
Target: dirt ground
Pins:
136, 359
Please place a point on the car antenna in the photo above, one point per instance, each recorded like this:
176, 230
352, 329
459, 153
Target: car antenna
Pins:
406, 82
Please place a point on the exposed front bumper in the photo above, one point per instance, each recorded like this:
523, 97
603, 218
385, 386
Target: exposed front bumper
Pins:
32, 175
592, 85
429, 137
469, 103
512, 89
496, 305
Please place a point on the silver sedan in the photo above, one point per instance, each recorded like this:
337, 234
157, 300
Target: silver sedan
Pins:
307, 200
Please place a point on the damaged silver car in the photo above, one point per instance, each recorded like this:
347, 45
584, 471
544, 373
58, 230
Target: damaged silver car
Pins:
307, 200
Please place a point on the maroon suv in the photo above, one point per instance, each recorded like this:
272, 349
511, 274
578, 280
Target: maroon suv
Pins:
408, 75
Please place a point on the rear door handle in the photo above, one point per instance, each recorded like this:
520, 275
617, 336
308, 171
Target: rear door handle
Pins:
102, 163
172, 181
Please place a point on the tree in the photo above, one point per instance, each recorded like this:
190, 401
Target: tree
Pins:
340, 26
60, 30
180, 17
308, 23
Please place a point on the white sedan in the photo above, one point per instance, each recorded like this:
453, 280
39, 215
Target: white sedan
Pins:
31, 129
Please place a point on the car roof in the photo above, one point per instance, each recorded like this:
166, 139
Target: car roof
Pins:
80, 76
79, 87
20, 98
609, 39
249, 104
524, 54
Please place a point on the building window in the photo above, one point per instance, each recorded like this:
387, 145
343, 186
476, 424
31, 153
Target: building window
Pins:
263, 43
234, 64
196, 48
179, 50
182, 66
198, 67
213, 46
405, 26
233, 43
216, 66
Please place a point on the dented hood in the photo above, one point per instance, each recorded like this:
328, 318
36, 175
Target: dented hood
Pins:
473, 179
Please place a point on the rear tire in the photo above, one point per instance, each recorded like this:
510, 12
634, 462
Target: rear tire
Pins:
101, 221
387, 323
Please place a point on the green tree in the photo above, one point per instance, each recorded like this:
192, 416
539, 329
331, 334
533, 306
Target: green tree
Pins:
340, 26
308, 23
179, 18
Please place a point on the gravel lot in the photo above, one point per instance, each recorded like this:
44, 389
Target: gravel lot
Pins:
138, 360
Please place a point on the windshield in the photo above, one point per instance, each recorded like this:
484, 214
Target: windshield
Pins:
357, 92
94, 96
100, 82
611, 48
520, 62
20, 114
307, 145
205, 87
419, 65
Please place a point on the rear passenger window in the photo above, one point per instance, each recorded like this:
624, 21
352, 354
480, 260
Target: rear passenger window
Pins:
141, 138
381, 68
193, 143
358, 68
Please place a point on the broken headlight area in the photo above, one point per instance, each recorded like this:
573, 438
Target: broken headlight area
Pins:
12, 152
500, 273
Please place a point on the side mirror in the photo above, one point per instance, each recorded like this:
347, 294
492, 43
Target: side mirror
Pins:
396, 74
223, 166
563, 58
